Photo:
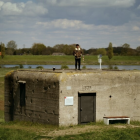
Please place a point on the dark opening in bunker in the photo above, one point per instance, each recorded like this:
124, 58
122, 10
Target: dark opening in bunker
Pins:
22, 92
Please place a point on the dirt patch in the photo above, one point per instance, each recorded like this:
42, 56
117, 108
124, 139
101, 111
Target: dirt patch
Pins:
120, 126
73, 131
134, 126
77, 130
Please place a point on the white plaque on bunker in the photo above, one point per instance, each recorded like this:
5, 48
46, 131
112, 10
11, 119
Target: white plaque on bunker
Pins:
68, 100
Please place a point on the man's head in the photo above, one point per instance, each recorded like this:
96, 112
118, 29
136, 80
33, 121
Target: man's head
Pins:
77, 45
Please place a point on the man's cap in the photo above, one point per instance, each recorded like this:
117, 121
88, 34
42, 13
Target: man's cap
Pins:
77, 44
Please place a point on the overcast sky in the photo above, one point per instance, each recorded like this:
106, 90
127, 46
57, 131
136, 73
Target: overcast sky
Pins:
90, 23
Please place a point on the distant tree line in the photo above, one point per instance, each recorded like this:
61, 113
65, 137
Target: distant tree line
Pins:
124, 50
41, 49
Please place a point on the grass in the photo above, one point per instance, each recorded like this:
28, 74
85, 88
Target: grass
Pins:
94, 131
135, 123
37, 128
106, 134
24, 130
37, 59
68, 60
11, 134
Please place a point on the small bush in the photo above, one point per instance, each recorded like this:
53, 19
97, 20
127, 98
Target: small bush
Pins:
29, 67
39, 67
110, 67
64, 67
17, 67
115, 68
21, 66
84, 67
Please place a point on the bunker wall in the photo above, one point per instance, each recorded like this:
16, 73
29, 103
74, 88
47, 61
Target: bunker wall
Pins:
117, 94
8, 97
41, 97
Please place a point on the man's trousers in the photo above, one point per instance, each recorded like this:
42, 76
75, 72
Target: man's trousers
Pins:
77, 61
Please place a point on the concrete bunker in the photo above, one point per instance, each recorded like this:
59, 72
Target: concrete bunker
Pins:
65, 97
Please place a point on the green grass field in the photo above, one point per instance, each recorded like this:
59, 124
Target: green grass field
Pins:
67, 60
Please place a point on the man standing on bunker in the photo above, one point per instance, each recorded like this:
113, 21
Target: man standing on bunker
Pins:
77, 53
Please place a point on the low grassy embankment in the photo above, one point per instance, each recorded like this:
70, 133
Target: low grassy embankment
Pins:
91, 131
34, 131
68, 60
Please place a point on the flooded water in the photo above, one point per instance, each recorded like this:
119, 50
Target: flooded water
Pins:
120, 67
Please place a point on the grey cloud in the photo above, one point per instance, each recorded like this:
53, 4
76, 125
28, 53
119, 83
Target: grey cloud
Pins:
28, 9
92, 3
115, 12
112, 16
91, 25
138, 7
66, 24
34, 9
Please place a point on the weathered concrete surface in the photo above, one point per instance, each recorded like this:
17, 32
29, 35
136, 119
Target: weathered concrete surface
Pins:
41, 97
123, 86
46, 92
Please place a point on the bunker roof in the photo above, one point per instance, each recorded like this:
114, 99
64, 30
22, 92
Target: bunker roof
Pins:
75, 71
